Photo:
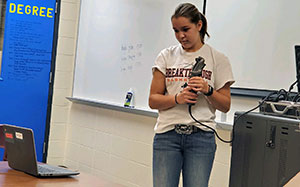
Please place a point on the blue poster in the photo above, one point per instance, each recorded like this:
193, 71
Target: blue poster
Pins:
26, 65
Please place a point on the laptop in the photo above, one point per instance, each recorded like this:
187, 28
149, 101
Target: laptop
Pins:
21, 155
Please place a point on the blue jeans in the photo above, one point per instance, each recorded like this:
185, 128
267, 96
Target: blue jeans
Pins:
192, 154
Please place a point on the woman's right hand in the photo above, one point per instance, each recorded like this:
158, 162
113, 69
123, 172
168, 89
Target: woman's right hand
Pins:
187, 96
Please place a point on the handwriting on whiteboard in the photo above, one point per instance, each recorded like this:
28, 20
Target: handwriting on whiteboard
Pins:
131, 56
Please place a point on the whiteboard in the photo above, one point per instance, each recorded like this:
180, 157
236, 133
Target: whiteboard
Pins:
259, 39
118, 41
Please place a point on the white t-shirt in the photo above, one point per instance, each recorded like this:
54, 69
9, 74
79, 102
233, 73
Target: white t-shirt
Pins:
176, 64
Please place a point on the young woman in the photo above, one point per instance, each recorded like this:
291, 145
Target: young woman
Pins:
180, 143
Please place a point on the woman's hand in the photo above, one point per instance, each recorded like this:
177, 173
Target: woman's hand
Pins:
190, 93
198, 84
220, 98
186, 96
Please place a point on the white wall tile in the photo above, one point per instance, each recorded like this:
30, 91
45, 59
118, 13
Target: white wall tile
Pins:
67, 28
56, 149
59, 97
102, 161
87, 137
223, 153
140, 175
84, 116
138, 152
69, 11
63, 80
66, 46
71, 164
135, 127
59, 114
220, 175
72, 152
55, 161
103, 120
86, 156
84, 168
58, 131
64, 63
121, 147
103, 142
73, 134
121, 168
100, 173
71, 1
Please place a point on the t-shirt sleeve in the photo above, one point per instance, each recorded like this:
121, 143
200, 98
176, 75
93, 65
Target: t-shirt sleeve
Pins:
223, 71
160, 63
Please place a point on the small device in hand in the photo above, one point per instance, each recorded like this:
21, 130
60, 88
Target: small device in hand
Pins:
196, 71
198, 67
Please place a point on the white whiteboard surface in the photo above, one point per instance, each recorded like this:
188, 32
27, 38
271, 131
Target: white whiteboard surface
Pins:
118, 41
259, 38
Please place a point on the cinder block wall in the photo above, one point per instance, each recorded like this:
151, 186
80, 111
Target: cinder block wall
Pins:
63, 80
110, 144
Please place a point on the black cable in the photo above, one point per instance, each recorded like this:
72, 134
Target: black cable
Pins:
298, 79
290, 91
190, 111
236, 119
296, 97
279, 93
292, 86
261, 103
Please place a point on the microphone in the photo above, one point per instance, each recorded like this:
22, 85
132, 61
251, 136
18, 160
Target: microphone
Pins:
198, 67
196, 71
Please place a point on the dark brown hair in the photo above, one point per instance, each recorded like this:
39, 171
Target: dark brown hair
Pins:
191, 12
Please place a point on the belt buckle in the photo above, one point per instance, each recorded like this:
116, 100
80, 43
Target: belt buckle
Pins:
183, 129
